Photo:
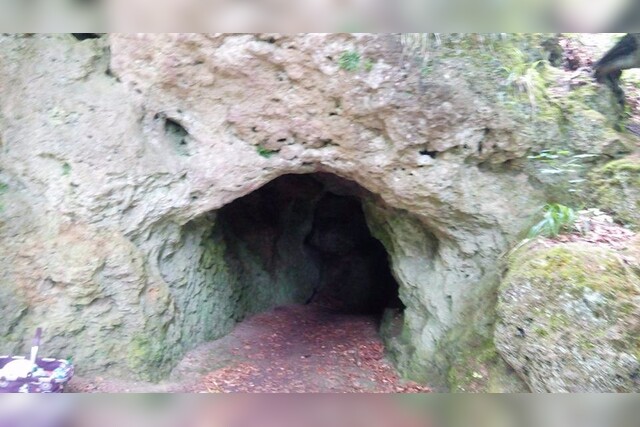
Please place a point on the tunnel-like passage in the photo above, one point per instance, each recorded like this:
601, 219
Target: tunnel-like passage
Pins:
304, 239
292, 275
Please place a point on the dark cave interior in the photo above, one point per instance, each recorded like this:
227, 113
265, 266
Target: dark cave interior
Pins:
306, 238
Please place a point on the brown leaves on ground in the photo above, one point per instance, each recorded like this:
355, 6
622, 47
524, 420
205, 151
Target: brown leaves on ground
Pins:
231, 376
302, 349
292, 349
594, 226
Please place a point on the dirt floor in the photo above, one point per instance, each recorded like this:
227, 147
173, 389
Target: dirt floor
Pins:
297, 349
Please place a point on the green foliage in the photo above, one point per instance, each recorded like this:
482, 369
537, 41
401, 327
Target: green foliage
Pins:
556, 218
525, 77
521, 70
349, 61
421, 45
368, 65
560, 162
566, 165
574, 266
264, 152
353, 61
66, 169
549, 155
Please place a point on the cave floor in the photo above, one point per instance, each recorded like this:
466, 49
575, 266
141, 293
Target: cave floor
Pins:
297, 349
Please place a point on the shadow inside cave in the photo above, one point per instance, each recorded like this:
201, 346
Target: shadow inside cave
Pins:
304, 239
311, 287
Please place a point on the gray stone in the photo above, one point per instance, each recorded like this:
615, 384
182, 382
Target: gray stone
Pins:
117, 152
568, 319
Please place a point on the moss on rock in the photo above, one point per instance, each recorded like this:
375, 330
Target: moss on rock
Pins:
147, 358
480, 369
576, 266
568, 318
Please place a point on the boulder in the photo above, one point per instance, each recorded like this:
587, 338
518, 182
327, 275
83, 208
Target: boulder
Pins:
569, 317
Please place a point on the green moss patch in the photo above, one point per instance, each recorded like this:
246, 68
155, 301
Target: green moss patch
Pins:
147, 357
575, 266
575, 306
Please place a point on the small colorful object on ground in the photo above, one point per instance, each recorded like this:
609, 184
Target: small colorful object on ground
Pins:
34, 375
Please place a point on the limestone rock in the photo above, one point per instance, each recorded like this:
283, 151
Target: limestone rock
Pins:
569, 318
615, 188
118, 152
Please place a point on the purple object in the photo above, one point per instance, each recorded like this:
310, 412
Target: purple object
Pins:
50, 376
58, 373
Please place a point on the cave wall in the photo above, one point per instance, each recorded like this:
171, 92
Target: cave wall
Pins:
265, 232
116, 153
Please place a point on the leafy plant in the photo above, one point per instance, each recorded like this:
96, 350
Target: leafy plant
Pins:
549, 155
564, 164
423, 45
349, 61
66, 169
265, 152
524, 76
556, 218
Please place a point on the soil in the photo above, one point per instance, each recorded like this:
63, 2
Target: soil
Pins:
291, 349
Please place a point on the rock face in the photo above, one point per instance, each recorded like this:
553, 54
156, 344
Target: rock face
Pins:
569, 318
615, 187
118, 154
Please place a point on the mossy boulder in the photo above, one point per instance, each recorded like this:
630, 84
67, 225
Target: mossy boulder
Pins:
615, 188
569, 318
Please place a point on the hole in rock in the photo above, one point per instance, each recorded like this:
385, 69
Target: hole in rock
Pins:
86, 36
305, 238
429, 153
177, 134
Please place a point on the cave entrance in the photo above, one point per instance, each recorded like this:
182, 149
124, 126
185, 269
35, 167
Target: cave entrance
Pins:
292, 286
304, 239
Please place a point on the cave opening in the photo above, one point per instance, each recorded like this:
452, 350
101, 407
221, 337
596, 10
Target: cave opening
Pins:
304, 239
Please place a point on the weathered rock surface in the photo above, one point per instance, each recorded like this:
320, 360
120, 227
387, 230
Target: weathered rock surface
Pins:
615, 187
569, 318
117, 152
